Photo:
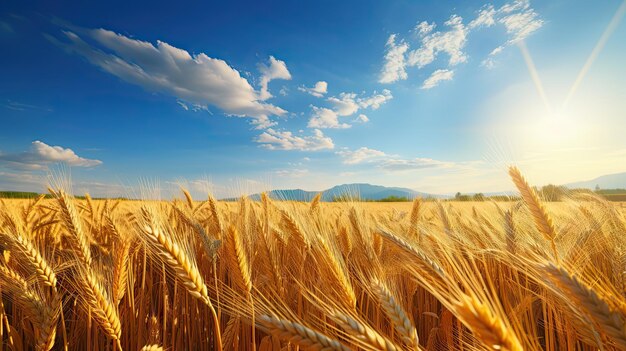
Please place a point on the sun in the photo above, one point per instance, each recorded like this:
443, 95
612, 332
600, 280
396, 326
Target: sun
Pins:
555, 128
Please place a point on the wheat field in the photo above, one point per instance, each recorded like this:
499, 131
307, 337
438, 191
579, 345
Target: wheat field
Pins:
279, 275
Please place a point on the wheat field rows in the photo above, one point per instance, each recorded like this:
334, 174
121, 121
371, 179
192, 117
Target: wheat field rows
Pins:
279, 275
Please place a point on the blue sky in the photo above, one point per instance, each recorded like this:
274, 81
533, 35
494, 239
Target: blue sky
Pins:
238, 97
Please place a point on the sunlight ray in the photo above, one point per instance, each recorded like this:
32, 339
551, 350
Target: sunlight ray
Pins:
534, 75
596, 51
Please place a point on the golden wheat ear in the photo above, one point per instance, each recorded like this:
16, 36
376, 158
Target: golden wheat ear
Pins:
96, 297
611, 322
542, 220
315, 203
396, 314
486, 325
74, 225
180, 258
298, 334
363, 332
43, 313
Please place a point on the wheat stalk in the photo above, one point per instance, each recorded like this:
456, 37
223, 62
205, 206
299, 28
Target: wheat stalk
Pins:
180, 261
34, 259
610, 321
100, 304
298, 334
543, 221
73, 223
486, 325
363, 333
396, 313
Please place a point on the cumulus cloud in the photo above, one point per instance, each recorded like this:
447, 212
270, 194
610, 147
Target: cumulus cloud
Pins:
450, 42
346, 104
424, 28
196, 79
376, 100
319, 90
394, 68
41, 155
517, 17
276, 69
519, 20
436, 77
325, 118
485, 18
519, 25
284, 140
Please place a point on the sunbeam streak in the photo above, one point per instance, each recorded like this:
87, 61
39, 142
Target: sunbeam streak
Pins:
596, 51
534, 75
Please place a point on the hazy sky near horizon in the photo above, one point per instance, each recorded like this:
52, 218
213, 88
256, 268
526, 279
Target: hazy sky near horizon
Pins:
438, 96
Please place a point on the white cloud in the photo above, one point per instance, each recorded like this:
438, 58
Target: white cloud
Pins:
183, 105
345, 104
194, 108
395, 164
348, 103
361, 119
520, 25
292, 173
516, 5
198, 79
485, 18
424, 28
325, 118
395, 64
360, 155
519, 20
436, 77
488, 63
22, 181
376, 100
392, 163
496, 50
284, 140
450, 42
277, 69
41, 155
318, 90
517, 17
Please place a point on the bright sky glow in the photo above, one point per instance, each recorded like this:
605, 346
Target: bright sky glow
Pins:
239, 97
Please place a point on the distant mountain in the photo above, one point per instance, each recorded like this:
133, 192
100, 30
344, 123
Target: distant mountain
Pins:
362, 191
370, 192
609, 181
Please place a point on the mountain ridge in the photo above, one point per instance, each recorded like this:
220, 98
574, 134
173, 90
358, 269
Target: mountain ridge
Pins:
607, 181
362, 191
